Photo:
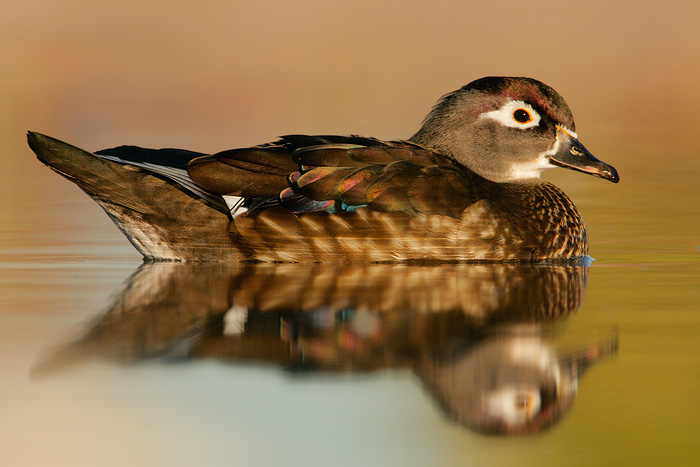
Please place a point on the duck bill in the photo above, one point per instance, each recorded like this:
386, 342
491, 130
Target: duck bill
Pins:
573, 155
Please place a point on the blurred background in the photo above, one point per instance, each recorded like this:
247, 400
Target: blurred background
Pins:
214, 75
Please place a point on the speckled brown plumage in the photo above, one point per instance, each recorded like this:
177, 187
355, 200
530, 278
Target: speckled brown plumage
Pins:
486, 231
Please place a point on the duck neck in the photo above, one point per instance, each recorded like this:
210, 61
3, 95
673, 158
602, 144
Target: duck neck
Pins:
547, 217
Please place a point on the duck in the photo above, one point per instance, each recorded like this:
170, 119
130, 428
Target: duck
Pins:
465, 187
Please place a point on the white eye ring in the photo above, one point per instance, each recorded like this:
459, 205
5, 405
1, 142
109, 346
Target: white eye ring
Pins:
506, 115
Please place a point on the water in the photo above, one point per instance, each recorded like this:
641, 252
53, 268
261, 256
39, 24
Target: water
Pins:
209, 363
107, 361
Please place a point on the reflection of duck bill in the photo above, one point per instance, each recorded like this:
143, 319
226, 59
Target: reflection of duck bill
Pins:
579, 362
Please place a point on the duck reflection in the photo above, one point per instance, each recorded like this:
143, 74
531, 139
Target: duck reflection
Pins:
477, 336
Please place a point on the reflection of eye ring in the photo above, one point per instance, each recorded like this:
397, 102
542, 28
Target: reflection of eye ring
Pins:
521, 115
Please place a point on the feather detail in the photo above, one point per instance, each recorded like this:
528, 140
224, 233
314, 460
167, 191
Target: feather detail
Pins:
250, 172
393, 199
356, 177
302, 205
319, 173
293, 142
287, 194
294, 176
268, 161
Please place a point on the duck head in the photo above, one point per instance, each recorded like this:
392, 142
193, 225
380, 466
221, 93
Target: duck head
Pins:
507, 130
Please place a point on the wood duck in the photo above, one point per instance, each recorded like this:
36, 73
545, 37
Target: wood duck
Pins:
465, 187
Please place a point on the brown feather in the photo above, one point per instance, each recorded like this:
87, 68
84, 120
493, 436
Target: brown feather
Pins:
321, 183
243, 172
393, 199
327, 156
428, 182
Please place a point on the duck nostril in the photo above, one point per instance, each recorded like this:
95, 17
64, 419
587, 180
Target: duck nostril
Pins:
576, 151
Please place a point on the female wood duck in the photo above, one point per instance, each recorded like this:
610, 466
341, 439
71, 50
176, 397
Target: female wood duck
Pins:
465, 187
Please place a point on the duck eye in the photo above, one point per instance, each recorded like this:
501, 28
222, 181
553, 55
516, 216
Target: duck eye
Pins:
522, 116
514, 114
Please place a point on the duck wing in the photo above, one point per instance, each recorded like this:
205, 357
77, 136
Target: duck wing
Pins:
340, 173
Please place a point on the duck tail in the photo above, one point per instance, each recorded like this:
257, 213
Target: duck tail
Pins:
159, 217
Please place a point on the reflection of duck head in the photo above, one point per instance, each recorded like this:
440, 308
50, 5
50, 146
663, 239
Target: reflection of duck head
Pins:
512, 383
437, 320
